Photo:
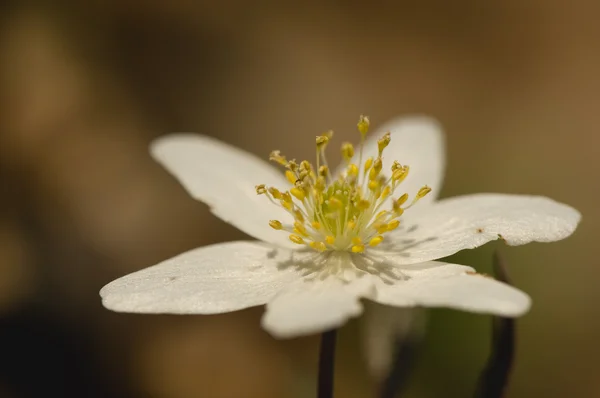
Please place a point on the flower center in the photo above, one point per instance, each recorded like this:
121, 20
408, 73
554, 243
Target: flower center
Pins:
343, 212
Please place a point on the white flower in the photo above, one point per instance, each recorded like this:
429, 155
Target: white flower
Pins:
330, 239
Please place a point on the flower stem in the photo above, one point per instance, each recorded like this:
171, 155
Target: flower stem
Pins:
326, 364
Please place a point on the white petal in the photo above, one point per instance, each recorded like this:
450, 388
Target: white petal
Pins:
314, 305
224, 177
213, 279
466, 222
438, 284
416, 141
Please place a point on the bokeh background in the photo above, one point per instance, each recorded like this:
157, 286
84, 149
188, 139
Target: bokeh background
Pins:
84, 87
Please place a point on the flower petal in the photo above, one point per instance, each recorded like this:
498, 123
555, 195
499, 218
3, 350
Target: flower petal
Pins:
224, 177
416, 141
466, 222
437, 284
314, 305
208, 280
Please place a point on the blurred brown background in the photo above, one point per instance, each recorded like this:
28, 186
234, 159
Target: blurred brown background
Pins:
85, 87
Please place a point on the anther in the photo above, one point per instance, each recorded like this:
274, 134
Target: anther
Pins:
275, 193
322, 141
383, 143
352, 170
400, 174
375, 241
392, 225
318, 246
276, 156
276, 224
363, 204
261, 189
298, 193
330, 239
368, 164
316, 225
358, 248
323, 171
335, 203
297, 239
290, 176
363, 125
347, 151
356, 240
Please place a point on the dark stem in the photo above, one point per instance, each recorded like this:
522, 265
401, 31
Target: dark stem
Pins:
493, 380
326, 364
404, 358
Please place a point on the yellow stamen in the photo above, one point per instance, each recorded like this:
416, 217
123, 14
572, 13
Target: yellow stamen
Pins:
276, 224
383, 143
358, 248
316, 225
323, 171
352, 170
300, 229
276, 156
375, 241
392, 225
291, 177
298, 215
368, 164
275, 193
298, 193
330, 239
363, 124
335, 203
318, 246
363, 204
356, 241
347, 151
296, 239
261, 189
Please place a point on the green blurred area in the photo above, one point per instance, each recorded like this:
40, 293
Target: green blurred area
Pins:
86, 86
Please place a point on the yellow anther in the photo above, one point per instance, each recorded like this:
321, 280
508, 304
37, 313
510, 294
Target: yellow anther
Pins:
358, 248
320, 184
373, 185
422, 192
330, 239
400, 174
363, 125
287, 205
318, 246
382, 213
374, 173
356, 240
351, 224
297, 239
275, 193
322, 141
300, 229
276, 156
352, 170
401, 200
383, 143
298, 193
381, 228
298, 215
396, 165
261, 189
392, 225
323, 171
276, 224
328, 134
316, 225
347, 151
376, 240
335, 203
386, 192
363, 204
305, 165
368, 164
292, 165
399, 211
291, 176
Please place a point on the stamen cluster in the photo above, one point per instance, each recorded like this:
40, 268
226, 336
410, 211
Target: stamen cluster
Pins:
344, 212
